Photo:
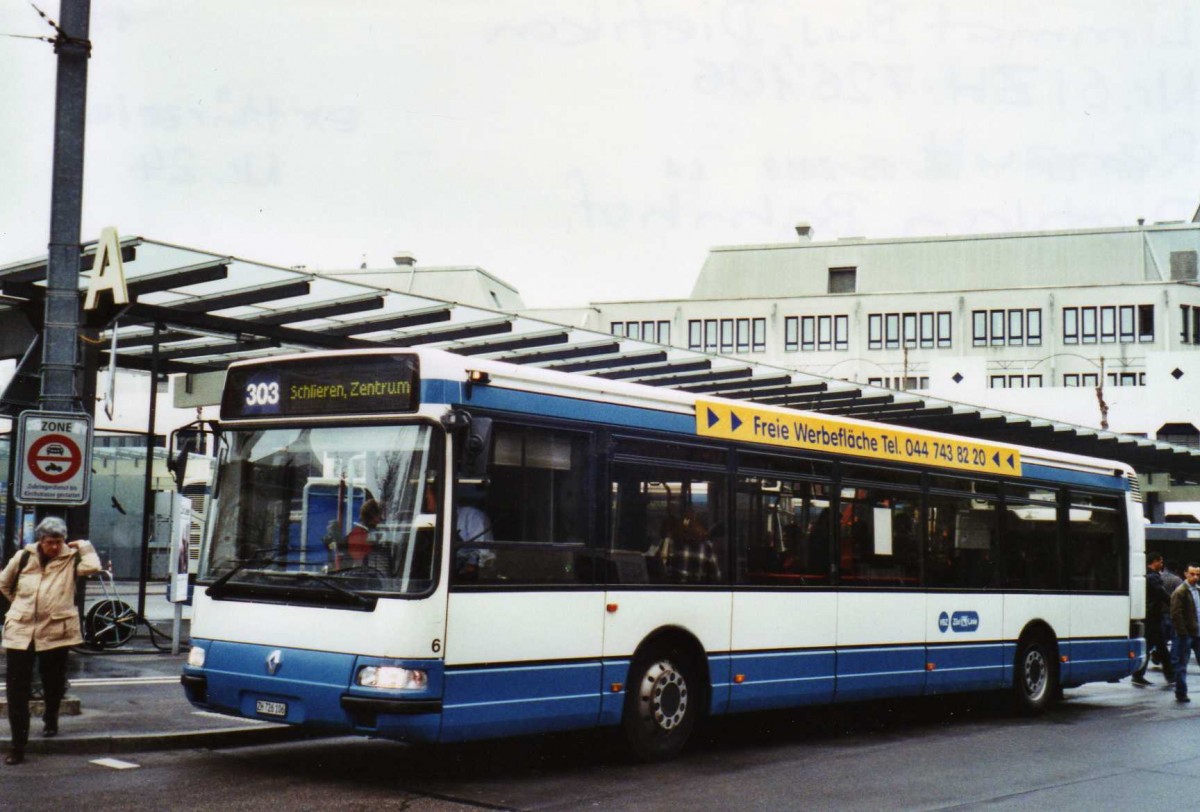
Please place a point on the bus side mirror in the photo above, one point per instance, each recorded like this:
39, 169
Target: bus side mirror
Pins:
477, 447
190, 439
474, 435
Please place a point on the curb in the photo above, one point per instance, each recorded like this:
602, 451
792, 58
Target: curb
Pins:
135, 742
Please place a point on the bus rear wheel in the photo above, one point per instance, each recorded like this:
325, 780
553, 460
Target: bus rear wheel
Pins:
1035, 676
661, 703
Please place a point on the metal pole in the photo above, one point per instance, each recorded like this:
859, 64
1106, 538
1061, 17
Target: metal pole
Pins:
148, 490
60, 349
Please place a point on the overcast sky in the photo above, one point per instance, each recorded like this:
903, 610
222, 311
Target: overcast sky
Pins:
596, 150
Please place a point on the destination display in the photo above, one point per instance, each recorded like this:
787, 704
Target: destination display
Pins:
790, 429
323, 386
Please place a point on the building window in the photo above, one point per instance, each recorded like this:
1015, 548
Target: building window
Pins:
843, 280
695, 334
758, 335
927, 334
910, 331
743, 335
892, 335
1145, 325
943, 330
824, 333
997, 334
791, 334
1125, 323
710, 335
1108, 325
979, 328
1016, 328
618, 328
808, 333
875, 331
841, 332
1191, 324
655, 331
1033, 327
1087, 325
1070, 325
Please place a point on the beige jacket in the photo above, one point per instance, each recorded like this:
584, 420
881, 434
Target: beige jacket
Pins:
43, 609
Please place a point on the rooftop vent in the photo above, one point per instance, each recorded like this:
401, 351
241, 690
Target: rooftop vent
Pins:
404, 259
804, 231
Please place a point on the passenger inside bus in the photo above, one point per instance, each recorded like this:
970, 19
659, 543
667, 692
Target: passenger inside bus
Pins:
687, 551
358, 541
473, 529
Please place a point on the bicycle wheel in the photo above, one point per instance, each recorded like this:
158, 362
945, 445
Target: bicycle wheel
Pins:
109, 624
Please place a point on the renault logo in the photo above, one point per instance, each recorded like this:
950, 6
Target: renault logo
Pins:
274, 660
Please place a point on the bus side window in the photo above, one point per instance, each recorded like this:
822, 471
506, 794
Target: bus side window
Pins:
673, 519
535, 510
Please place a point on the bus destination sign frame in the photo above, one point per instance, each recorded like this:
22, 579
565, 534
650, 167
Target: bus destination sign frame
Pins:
323, 386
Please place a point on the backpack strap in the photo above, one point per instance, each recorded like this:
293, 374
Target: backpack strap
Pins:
20, 566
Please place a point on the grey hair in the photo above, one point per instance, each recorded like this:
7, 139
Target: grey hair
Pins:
51, 526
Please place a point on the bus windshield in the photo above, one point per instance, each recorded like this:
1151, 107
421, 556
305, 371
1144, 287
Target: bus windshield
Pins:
333, 513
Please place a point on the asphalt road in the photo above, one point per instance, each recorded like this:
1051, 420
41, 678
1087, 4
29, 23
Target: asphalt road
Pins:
1106, 747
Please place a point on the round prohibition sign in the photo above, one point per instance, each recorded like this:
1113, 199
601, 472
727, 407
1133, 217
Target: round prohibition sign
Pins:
54, 458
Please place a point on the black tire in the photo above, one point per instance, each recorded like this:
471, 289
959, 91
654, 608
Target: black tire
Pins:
109, 624
1035, 676
663, 699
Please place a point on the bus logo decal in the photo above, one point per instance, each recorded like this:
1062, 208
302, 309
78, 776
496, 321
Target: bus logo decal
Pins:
958, 622
274, 660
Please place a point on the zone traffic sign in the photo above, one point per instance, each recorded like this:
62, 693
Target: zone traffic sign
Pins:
55, 462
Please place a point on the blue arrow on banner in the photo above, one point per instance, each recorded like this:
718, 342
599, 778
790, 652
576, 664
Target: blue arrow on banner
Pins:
1011, 462
735, 420
712, 418
996, 459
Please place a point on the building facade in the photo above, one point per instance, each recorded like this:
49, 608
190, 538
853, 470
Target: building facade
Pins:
1097, 327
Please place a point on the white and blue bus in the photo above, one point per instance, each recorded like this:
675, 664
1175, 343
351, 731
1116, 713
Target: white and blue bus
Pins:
426, 547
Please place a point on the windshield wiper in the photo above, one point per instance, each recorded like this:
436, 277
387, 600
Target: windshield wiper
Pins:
325, 580
215, 590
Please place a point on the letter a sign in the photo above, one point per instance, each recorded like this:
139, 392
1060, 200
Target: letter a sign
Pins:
108, 272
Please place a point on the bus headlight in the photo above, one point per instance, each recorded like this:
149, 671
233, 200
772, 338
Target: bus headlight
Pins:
196, 657
393, 678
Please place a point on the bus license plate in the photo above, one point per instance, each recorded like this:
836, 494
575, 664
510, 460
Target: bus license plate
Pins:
267, 708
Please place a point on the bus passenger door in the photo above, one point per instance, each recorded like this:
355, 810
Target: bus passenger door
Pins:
881, 606
525, 615
785, 618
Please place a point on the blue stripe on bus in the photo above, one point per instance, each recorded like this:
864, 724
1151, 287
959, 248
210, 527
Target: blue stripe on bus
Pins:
511, 400
1091, 660
514, 699
781, 678
868, 673
1068, 477
974, 666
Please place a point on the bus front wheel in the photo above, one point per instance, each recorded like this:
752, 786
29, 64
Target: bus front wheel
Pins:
1035, 675
662, 701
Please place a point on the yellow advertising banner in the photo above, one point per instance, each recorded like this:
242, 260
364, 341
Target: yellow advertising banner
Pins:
809, 432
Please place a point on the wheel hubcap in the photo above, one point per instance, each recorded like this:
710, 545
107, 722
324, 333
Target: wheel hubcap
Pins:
663, 696
1035, 674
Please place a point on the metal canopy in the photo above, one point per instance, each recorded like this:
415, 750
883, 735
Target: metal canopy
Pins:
196, 311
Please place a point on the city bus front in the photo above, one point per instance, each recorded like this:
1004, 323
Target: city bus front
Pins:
320, 596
